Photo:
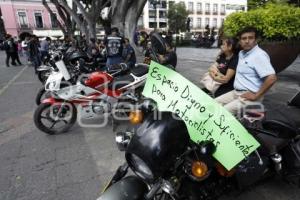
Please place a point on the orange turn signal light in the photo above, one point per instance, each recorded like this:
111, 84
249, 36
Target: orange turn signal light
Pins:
199, 169
136, 117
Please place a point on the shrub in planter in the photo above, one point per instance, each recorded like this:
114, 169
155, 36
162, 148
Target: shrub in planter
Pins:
277, 23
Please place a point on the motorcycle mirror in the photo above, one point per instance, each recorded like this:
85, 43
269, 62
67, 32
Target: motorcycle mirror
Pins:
122, 140
207, 147
148, 105
158, 43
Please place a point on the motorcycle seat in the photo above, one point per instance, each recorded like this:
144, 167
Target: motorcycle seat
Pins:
140, 70
120, 82
271, 145
284, 120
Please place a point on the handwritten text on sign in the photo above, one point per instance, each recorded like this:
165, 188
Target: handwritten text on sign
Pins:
204, 117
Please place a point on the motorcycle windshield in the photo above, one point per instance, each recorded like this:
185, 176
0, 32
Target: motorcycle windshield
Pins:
63, 69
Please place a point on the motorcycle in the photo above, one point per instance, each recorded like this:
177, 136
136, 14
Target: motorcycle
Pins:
168, 165
94, 95
70, 56
77, 63
44, 71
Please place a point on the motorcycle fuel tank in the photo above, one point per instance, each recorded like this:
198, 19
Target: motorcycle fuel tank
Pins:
157, 144
96, 79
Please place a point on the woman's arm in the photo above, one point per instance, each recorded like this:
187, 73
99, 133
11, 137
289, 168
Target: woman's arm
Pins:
219, 77
213, 69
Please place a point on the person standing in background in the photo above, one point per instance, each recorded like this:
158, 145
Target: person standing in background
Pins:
16, 51
9, 50
45, 48
34, 53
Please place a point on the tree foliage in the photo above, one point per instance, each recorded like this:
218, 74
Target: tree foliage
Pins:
177, 16
253, 4
274, 22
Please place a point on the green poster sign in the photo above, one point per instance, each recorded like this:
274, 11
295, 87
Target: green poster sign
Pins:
204, 117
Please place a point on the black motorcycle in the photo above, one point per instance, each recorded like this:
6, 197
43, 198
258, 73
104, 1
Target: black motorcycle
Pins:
168, 165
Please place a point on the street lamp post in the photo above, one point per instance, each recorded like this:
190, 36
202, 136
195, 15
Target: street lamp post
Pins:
154, 3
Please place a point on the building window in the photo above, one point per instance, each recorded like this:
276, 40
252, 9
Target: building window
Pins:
164, 4
206, 21
207, 8
223, 9
54, 21
215, 22
162, 25
152, 25
199, 21
215, 9
152, 14
22, 19
199, 8
38, 20
162, 14
191, 7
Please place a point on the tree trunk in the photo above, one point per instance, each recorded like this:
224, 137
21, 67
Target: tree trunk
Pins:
118, 13
74, 15
45, 3
88, 19
125, 15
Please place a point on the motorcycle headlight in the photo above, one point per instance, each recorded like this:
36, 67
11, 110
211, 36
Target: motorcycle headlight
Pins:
139, 167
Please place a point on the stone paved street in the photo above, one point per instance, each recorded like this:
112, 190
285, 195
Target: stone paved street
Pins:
76, 165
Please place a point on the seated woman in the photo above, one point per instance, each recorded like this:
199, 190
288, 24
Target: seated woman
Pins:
223, 70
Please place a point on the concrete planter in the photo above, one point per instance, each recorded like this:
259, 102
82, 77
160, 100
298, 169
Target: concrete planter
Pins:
282, 54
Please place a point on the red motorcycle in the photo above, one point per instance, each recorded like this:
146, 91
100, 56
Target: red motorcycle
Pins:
100, 94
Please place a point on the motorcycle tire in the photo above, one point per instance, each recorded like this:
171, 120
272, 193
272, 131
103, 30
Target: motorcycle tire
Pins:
51, 130
41, 95
43, 76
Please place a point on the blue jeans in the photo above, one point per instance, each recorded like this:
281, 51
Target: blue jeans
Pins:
36, 61
113, 61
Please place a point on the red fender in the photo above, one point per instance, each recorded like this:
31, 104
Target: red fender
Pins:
51, 100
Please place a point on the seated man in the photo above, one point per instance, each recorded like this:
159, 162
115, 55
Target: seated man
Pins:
254, 75
129, 54
114, 48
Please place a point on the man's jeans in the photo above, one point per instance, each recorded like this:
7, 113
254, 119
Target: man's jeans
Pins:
113, 61
36, 61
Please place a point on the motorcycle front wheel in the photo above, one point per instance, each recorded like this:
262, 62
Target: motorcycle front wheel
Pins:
43, 76
41, 95
55, 118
